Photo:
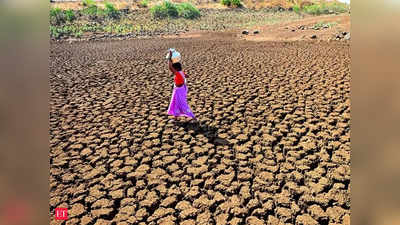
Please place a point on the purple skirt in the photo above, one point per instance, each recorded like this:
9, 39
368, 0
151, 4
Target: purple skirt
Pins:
178, 105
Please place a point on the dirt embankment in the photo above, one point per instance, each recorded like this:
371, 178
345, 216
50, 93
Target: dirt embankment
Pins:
141, 24
311, 28
330, 27
273, 143
203, 4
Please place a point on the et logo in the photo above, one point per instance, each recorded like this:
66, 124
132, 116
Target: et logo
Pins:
61, 213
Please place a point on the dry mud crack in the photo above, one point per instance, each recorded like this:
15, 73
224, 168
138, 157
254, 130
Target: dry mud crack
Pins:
273, 144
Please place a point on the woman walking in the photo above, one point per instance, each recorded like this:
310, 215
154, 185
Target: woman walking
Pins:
178, 105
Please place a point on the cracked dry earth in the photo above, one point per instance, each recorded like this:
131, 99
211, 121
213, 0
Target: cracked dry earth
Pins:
272, 147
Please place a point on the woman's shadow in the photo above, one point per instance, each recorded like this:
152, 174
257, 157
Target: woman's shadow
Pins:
210, 132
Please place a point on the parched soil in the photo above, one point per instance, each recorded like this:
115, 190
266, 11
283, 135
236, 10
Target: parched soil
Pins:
272, 145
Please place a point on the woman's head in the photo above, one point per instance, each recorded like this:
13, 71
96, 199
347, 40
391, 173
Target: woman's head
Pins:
177, 66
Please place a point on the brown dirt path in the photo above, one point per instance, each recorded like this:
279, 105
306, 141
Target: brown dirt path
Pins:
273, 143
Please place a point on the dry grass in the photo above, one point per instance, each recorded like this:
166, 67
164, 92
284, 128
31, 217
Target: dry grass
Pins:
78, 5
135, 4
286, 4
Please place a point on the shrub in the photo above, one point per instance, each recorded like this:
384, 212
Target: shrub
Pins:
144, 3
226, 2
57, 16
89, 27
158, 12
55, 11
67, 30
326, 8
338, 7
88, 3
119, 28
172, 10
166, 9
188, 11
236, 3
91, 11
95, 13
110, 11
313, 9
296, 9
53, 32
69, 15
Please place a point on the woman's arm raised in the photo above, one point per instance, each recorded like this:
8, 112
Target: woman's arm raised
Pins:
171, 68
